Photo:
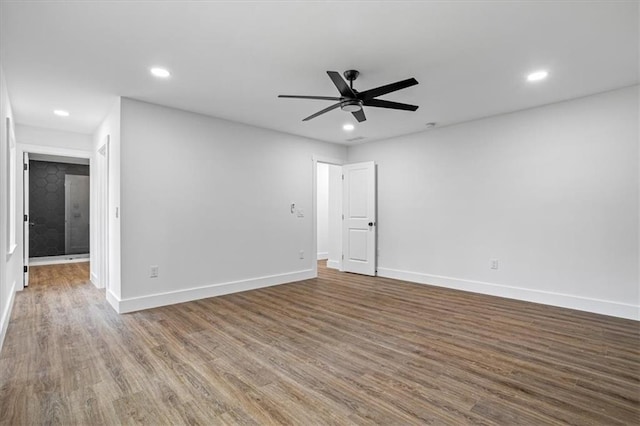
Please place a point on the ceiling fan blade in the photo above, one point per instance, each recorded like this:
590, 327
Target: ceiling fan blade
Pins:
382, 90
379, 103
359, 115
334, 106
324, 98
342, 86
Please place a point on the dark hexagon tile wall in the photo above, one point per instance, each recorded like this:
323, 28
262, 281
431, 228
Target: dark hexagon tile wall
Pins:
46, 205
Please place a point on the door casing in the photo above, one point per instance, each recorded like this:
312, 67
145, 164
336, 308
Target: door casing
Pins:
27, 220
341, 163
46, 150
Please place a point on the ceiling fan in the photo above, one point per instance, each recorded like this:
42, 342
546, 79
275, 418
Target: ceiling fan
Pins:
352, 101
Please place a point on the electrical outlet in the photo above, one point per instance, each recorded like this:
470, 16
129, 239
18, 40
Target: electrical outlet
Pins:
301, 254
153, 271
494, 263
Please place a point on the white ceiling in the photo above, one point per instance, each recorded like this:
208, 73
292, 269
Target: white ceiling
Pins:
232, 59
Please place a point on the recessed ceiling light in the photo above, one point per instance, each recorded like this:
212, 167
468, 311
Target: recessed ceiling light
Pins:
430, 125
61, 113
160, 72
537, 76
348, 127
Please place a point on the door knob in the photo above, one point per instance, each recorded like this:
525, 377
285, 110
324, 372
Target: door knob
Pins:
370, 223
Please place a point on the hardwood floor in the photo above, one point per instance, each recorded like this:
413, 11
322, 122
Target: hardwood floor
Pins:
340, 349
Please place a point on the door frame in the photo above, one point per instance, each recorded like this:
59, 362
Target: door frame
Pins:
314, 207
49, 150
26, 178
101, 216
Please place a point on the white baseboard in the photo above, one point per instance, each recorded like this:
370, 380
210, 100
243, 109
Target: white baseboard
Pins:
180, 296
6, 315
322, 255
333, 264
113, 300
95, 281
598, 306
44, 261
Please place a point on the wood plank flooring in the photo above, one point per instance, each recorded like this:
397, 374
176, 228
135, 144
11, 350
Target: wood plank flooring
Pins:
340, 349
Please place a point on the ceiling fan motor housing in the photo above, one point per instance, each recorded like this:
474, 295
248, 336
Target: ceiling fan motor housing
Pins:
351, 75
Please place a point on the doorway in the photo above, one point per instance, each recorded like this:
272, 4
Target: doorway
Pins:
58, 208
329, 214
56, 202
345, 225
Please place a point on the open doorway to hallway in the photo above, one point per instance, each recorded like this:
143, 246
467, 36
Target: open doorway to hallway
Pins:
329, 214
345, 215
57, 215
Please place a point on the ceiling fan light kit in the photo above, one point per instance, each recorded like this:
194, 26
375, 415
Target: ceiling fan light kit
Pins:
351, 105
352, 101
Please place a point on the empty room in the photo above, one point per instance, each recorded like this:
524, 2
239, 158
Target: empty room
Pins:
309, 213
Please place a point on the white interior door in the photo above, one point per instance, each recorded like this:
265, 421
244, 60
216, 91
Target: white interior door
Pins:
26, 220
359, 224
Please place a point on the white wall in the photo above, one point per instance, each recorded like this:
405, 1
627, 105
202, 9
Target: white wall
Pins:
30, 135
10, 263
551, 192
335, 217
322, 205
208, 201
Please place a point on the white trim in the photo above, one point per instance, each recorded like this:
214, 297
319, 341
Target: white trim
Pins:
327, 160
26, 225
598, 306
37, 261
180, 296
4, 321
334, 264
100, 216
54, 150
323, 255
95, 281
11, 250
58, 159
113, 300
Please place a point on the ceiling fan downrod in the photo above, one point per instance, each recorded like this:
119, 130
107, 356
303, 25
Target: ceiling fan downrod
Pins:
351, 75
